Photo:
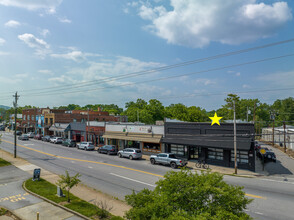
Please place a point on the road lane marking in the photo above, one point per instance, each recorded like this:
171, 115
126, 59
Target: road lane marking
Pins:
107, 164
255, 196
132, 179
278, 181
28, 144
14, 198
90, 167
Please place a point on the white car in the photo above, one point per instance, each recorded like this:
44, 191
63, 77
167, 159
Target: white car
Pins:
30, 134
86, 146
56, 140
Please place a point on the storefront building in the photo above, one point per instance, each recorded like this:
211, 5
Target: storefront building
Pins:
95, 131
60, 130
214, 144
144, 137
77, 131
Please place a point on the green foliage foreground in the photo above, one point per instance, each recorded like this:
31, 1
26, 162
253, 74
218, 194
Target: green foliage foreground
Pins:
185, 195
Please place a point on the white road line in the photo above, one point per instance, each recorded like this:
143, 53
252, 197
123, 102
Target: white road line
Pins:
278, 181
72, 161
132, 179
283, 177
90, 167
258, 213
28, 144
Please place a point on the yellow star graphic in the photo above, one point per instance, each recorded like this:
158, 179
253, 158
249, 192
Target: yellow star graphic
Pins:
215, 119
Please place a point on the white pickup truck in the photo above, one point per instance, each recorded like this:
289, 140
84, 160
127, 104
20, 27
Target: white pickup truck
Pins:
168, 159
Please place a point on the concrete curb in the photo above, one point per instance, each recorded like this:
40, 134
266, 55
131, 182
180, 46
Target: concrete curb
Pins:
15, 216
55, 204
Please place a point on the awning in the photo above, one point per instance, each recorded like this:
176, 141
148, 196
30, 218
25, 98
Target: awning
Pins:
135, 137
59, 127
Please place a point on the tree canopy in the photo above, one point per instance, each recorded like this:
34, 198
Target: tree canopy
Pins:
186, 195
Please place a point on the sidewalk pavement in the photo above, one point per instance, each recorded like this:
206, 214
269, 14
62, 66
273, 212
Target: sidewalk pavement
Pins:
81, 191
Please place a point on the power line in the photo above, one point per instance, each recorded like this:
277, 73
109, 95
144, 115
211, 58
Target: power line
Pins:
134, 74
169, 77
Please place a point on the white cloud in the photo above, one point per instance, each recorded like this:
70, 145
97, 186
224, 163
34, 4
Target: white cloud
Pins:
238, 74
245, 86
12, 23
40, 46
63, 79
64, 20
196, 23
2, 41
278, 79
49, 5
45, 32
75, 55
46, 72
21, 76
9, 80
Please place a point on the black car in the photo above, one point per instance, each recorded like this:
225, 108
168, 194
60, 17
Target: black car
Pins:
69, 143
46, 138
268, 156
18, 133
107, 149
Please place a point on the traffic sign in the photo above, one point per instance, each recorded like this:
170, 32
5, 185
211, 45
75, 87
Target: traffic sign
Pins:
262, 151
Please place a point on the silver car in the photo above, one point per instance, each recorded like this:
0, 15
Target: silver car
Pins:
86, 146
131, 153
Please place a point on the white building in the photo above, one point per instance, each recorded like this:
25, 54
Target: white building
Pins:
267, 135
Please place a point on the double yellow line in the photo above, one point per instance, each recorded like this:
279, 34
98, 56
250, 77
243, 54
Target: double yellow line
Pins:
106, 164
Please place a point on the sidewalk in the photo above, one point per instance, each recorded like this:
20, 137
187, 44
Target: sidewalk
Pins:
81, 191
229, 170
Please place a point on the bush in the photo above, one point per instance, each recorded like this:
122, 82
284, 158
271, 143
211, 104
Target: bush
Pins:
184, 195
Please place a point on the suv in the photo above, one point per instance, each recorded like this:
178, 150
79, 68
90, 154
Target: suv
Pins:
86, 146
46, 138
131, 153
107, 149
56, 140
23, 137
38, 137
18, 133
69, 143
30, 134
268, 156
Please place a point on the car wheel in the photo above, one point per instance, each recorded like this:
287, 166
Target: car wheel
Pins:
119, 155
108, 152
131, 157
173, 165
85, 148
152, 161
99, 151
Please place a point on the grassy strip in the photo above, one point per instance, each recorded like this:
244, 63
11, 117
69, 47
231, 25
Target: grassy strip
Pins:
48, 190
3, 211
4, 163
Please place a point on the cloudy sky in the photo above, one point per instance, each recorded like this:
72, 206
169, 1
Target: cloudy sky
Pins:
57, 52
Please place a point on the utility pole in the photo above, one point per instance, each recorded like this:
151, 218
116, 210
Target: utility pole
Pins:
138, 116
284, 136
87, 129
15, 116
273, 118
235, 139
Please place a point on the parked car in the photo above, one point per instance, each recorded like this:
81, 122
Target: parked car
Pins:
46, 138
168, 159
23, 137
18, 133
268, 156
107, 149
86, 146
2, 128
56, 140
38, 137
69, 143
30, 134
131, 153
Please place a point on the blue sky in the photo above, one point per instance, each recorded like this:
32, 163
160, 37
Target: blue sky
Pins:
57, 52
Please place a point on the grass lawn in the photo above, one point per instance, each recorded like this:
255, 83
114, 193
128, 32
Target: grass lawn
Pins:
4, 163
49, 191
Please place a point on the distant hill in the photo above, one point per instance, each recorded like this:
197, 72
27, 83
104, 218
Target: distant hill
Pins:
5, 107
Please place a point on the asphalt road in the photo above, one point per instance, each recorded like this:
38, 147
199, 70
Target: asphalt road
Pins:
273, 196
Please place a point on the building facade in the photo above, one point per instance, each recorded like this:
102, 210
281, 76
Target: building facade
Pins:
281, 136
214, 144
144, 137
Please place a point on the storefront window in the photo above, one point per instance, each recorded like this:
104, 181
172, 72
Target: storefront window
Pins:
33, 117
242, 156
24, 117
151, 147
177, 149
133, 144
215, 154
28, 117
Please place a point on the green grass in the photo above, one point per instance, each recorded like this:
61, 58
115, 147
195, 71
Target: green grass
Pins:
49, 191
4, 163
3, 211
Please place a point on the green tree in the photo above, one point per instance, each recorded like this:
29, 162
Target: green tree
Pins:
66, 182
177, 111
187, 195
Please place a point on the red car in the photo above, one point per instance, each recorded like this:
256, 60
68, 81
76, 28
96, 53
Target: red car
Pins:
38, 137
